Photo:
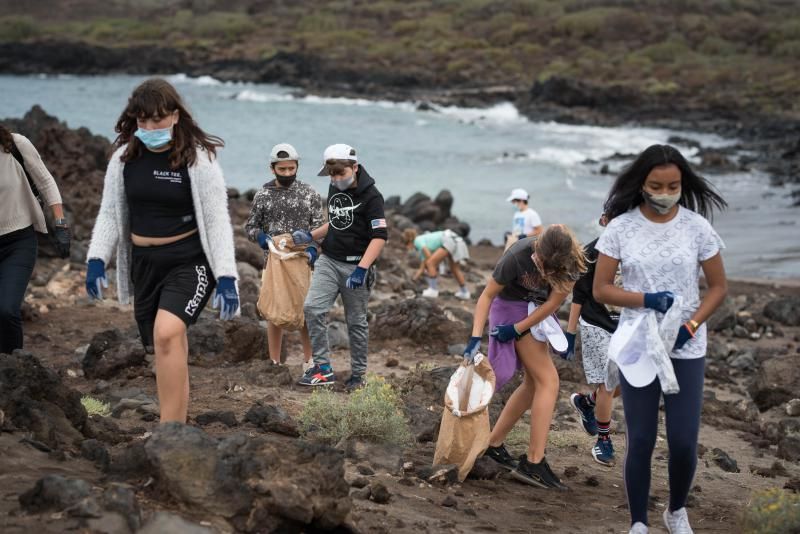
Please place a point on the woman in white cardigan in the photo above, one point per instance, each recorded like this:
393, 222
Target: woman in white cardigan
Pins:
165, 212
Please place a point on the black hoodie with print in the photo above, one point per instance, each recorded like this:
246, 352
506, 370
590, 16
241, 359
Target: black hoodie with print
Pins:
355, 218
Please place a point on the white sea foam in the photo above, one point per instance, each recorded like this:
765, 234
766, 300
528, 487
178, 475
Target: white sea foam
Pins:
503, 113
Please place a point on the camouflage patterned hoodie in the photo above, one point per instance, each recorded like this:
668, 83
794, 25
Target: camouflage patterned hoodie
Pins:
277, 210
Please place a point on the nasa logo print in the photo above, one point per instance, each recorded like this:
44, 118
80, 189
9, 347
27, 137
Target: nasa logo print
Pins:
340, 211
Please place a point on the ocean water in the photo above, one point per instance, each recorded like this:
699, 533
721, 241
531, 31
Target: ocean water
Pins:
478, 154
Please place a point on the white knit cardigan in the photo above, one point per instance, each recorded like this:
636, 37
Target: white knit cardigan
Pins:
210, 198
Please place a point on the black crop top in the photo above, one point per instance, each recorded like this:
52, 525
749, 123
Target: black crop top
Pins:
159, 199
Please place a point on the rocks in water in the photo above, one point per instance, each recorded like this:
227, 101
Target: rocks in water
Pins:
419, 319
54, 492
792, 409
272, 419
251, 481
785, 310
724, 461
227, 418
111, 352
33, 398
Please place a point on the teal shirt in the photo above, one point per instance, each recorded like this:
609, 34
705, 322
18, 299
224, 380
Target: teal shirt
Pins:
432, 241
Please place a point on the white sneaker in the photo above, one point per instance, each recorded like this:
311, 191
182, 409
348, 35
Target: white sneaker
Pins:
463, 294
638, 528
431, 293
677, 522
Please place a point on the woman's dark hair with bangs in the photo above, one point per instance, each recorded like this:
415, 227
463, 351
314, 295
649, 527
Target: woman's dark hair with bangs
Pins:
158, 98
697, 193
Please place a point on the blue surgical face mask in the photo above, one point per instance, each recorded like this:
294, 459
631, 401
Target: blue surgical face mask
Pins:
154, 139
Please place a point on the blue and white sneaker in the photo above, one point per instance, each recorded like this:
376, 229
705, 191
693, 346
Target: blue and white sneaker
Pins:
317, 377
586, 411
603, 452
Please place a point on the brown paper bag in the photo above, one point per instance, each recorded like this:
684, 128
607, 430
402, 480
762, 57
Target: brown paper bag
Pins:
284, 283
464, 430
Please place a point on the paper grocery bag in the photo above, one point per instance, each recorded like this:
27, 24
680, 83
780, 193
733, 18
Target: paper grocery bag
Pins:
284, 283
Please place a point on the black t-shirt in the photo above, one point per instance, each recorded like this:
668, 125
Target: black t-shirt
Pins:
355, 218
159, 198
519, 275
592, 312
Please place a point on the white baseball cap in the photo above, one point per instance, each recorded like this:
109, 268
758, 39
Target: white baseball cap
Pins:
338, 151
276, 156
518, 194
628, 349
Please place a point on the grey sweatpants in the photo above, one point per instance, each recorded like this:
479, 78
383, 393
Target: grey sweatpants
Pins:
330, 277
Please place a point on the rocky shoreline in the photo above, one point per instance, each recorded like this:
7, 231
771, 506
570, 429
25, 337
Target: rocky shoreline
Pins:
771, 143
239, 465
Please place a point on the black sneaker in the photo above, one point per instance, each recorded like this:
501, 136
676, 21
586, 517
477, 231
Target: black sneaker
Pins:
585, 411
539, 475
353, 383
500, 455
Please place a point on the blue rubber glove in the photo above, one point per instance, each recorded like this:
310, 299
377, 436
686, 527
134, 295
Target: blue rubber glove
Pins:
569, 354
684, 335
312, 255
660, 302
473, 346
96, 278
356, 280
301, 237
226, 298
522, 236
505, 333
263, 239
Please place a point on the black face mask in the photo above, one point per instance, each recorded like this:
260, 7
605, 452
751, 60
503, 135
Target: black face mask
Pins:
286, 181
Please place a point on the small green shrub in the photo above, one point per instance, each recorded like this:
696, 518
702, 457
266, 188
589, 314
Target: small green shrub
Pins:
772, 511
372, 413
95, 406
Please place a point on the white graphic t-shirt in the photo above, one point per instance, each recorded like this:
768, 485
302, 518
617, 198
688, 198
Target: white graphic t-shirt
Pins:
663, 257
525, 221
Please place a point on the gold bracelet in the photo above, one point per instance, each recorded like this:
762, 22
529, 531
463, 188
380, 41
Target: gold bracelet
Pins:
693, 325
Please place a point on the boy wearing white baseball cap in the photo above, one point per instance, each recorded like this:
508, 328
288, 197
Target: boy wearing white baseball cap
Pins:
283, 205
526, 221
352, 240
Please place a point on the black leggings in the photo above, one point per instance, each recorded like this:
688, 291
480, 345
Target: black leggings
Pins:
682, 413
17, 258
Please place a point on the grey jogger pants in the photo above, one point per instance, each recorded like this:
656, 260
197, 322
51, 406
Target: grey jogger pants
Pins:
330, 277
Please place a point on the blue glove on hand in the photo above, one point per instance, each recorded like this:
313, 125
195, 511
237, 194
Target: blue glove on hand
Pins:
301, 237
660, 302
684, 335
473, 346
312, 255
263, 239
505, 333
522, 236
569, 354
96, 278
356, 280
226, 298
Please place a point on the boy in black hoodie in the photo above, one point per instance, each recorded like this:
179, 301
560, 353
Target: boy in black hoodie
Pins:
352, 240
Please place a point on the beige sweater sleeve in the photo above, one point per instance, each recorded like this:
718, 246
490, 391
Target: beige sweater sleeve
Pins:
39, 174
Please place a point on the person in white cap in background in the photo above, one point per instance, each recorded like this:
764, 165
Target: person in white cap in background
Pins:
526, 222
352, 240
283, 205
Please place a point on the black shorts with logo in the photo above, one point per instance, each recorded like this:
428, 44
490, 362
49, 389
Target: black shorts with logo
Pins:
175, 277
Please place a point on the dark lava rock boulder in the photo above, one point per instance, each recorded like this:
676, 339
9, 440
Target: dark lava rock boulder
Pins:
260, 484
111, 352
34, 398
785, 310
776, 382
54, 492
420, 319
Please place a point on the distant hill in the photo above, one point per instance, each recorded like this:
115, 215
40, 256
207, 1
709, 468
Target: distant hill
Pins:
714, 53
